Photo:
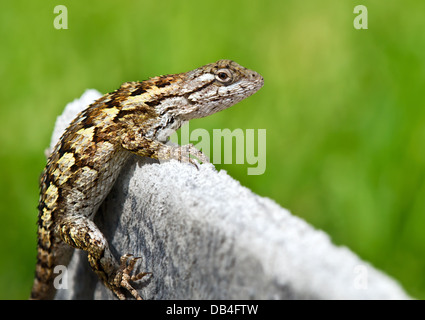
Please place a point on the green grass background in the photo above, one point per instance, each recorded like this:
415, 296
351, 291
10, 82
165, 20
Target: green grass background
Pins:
343, 108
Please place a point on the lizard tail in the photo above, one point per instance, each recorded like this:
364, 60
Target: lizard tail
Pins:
43, 288
50, 253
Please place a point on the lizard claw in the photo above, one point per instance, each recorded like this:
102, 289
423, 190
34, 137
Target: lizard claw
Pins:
123, 277
182, 154
189, 149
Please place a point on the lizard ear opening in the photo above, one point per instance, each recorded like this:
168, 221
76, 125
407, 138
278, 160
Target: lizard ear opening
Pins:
224, 76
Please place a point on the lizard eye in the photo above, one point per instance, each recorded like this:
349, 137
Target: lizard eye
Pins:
224, 76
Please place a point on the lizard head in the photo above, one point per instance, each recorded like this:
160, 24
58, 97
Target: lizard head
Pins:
175, 99
215, 87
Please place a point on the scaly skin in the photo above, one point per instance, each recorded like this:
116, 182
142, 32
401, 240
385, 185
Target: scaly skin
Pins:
137, 118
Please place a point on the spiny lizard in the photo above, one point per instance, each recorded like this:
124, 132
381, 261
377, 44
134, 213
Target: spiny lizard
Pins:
137, 118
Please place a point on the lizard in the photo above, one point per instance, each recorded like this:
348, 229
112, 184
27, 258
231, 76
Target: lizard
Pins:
137, 118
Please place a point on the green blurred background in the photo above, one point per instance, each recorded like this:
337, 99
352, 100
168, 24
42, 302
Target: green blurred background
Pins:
343, 108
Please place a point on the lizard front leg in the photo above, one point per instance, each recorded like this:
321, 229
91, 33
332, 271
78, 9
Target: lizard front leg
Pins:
80, 232
155, 149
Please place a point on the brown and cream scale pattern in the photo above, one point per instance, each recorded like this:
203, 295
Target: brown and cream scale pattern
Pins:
81, 170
